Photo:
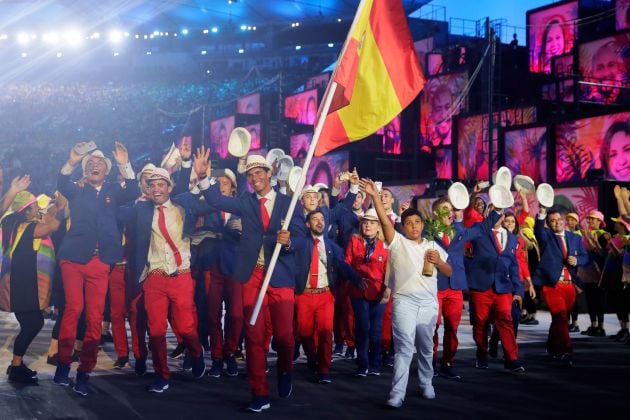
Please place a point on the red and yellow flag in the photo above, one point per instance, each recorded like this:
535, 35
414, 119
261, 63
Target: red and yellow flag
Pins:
377, 75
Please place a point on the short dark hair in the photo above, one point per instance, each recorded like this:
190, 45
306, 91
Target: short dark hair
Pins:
437, 203
408, 213
312, 213
550, 211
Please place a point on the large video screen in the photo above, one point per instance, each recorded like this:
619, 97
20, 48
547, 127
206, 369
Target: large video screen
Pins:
563, 65
391, 137
439, 102
298, 148
526, 152
472, 140
319, 80
302, 107
249, 104
325, 168
219, 134
593, 143
254, 130
551, 31
604, 68
623, 14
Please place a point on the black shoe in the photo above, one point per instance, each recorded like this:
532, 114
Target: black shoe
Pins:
448, 371
565, 360
493, 348
589, 331
481, 363
140, 367
599, 332
259, 403
107, 338
178, 352
231, 366
285, 385
621, 335
21, 374
76, 355
530, 321
121, 362
350, 353
53, 360
514, 366
574, 329
338, 349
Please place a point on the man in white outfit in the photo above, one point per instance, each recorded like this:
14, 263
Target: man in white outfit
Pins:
415, 304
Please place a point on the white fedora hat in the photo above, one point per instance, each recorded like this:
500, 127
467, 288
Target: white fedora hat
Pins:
545, 194
503, 177
501, 197
256, 161
239, 142
97, 154
294, 176
458, 196
285, 163
273, 155
525, 183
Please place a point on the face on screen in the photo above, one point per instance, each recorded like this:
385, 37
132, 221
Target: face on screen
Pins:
442, 102
619, 156
554, 41
608, 69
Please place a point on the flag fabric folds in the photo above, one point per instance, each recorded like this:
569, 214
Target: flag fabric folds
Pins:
377, 75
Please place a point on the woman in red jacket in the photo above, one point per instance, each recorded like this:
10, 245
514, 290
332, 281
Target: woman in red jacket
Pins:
366, 253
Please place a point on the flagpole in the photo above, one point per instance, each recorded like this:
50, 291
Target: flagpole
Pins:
323, 112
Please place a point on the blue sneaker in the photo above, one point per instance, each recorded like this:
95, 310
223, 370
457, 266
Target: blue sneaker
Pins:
259, 403
232, 365
61, 375
81, 385
514, 366
140, 368
360, 372
217, 367
159, 385
198, 366
373, 371
481, 364
324, 378
188, 361
285, 385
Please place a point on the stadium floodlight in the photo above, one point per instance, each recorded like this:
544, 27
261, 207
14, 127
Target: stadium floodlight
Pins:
115, 36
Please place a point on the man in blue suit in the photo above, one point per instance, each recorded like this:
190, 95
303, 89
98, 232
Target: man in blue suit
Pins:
319, 263
561, 252
90, 248
261, 215
161, 263
494, 282
450, 289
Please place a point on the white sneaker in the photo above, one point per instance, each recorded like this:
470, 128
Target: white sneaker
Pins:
428, 392
395, 402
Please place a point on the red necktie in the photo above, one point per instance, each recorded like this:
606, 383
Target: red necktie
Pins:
565, 253
264, 214
164, 232
315, 264
496, 239
223, 217
446, 240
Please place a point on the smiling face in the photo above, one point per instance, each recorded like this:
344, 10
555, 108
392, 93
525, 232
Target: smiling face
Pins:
95, 170
571, 223
316, 224
259, 179
225, 186
358, 202
387, 199
442, 102
556, 222
32, 212
619, 156
310, 200
447, 209
608, 69
412, 227
593, 223
509, 222
160, 191
554, 42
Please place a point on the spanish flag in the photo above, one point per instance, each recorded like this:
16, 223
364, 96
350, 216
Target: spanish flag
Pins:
378, 74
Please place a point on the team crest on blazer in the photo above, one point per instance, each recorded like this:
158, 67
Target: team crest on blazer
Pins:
108, 200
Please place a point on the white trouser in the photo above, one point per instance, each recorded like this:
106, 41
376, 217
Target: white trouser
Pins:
413, 324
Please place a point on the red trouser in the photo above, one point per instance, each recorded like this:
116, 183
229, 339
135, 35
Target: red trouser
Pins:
85, 285
315, 326
160, 291
279, 303
386, 332
560, 300
501, 306
117, 310
451, 304
218, 286
343, 321
138, 326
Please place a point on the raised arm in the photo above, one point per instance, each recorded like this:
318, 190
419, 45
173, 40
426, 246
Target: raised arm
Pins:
18, 184
369, 187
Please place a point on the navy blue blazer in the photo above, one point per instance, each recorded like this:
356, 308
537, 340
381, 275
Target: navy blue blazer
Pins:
455, 252
491, 268
139, 219
552, 258
254, 237
94, 220
335, 263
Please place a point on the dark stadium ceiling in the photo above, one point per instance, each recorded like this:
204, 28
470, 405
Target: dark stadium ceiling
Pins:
172, 14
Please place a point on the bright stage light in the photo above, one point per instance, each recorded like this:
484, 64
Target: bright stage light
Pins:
50, 38
215, 29
59, 55
23, 38
115, 36
95, 35
243, 27
298, 47
72, 37
205, 31
204, 52
4, 36
185, 31
241, 51
24, 55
